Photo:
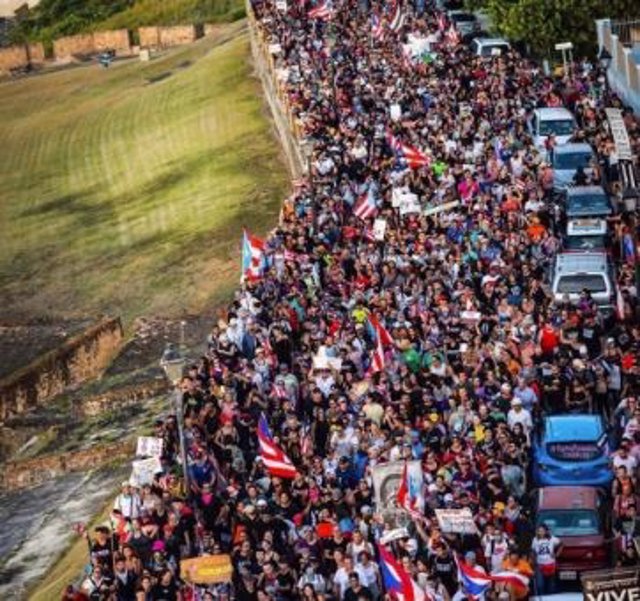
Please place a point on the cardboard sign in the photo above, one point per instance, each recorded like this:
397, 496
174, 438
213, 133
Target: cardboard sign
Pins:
439, 208
456, 521
209, 569
619, 134
149, 446
144, 470
379, 229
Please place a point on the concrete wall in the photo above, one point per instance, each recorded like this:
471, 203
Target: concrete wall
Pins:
15, 475
286, 127
82, 357
120, 398
85, 44
624, 72
14, 57
166, 37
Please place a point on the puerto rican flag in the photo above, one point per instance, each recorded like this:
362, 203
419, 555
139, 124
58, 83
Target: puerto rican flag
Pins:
397, 18
442, 22
405, 499
377, 361
253, 261
377, 28
323, 11
274, 459
475, 582
452, 36
397, 582
380, 331
366, 206
413, 157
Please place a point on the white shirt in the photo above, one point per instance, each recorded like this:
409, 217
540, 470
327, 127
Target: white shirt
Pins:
520, 417
545, 550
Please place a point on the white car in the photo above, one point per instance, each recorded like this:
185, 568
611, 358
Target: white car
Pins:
489, 46
558, 122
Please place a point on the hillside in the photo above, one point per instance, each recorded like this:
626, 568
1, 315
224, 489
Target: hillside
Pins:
125, 189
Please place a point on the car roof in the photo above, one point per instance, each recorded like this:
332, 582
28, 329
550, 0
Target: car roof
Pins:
559, 597
554, 113
492, 41
567, 497
581, 263
585, 190
581, 427
573, 147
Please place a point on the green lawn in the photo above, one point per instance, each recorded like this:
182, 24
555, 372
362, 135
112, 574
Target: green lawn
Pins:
124, 190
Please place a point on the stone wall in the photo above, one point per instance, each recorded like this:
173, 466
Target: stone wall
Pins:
15, 475
165, 37
79, 359
15, 57
86, 44
285, 123
120, 397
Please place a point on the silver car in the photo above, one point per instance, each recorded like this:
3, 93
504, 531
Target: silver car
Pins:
574, 272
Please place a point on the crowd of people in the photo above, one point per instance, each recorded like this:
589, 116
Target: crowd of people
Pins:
476, 351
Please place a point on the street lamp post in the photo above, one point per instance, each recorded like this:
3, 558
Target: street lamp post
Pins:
604, 59
173, 363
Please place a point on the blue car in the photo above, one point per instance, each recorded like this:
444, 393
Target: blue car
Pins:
572, 450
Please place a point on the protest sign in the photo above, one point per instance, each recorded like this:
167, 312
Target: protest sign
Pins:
149, 446
143, 471
379, 229
208, 569
386, 480
621, 584
456, 521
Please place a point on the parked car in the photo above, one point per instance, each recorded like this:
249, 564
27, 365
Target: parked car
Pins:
551, 121
573, 272
571, 450
489, 46
465, 22
565, 161
587, 201
577, 515
587, 234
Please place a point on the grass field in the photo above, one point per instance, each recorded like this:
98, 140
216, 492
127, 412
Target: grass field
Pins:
124, 190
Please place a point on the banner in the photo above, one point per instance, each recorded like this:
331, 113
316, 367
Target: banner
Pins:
149, 446
144, 470
386, 480
439, 208
621, 584
209, 569
456, 521
619, 134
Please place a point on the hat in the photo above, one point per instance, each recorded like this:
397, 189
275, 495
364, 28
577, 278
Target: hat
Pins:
158, 545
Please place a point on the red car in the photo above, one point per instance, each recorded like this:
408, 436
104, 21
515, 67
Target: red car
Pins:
577, 515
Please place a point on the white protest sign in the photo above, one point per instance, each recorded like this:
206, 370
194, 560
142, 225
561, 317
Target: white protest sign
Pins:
405, 200
379, 228
386, 480
456, 521
149, 446
281, 5
275, 48
439, 208
322, 361
395, 112
143, 471
620, 134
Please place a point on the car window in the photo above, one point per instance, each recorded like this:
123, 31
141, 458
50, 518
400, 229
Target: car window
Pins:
571, 160
585, 242
574, 284
591, 202
462, 17
563, 127
570, 522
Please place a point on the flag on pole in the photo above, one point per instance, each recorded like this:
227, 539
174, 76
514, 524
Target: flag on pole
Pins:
377, 28
252, 257
274, 459
380, 331
377, 361
405, 499
397, 582
452, 36
366, 206
442, 22
397, 18
322, 11
413, 157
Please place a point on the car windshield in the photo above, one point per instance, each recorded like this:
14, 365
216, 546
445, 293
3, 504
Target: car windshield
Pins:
462, 17
494, 49
585, 242
591, 202
570, 522
560, 127
571, 160
575, 284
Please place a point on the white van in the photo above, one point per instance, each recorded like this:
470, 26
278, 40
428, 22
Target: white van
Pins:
574, 272
489, 46
552, 121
